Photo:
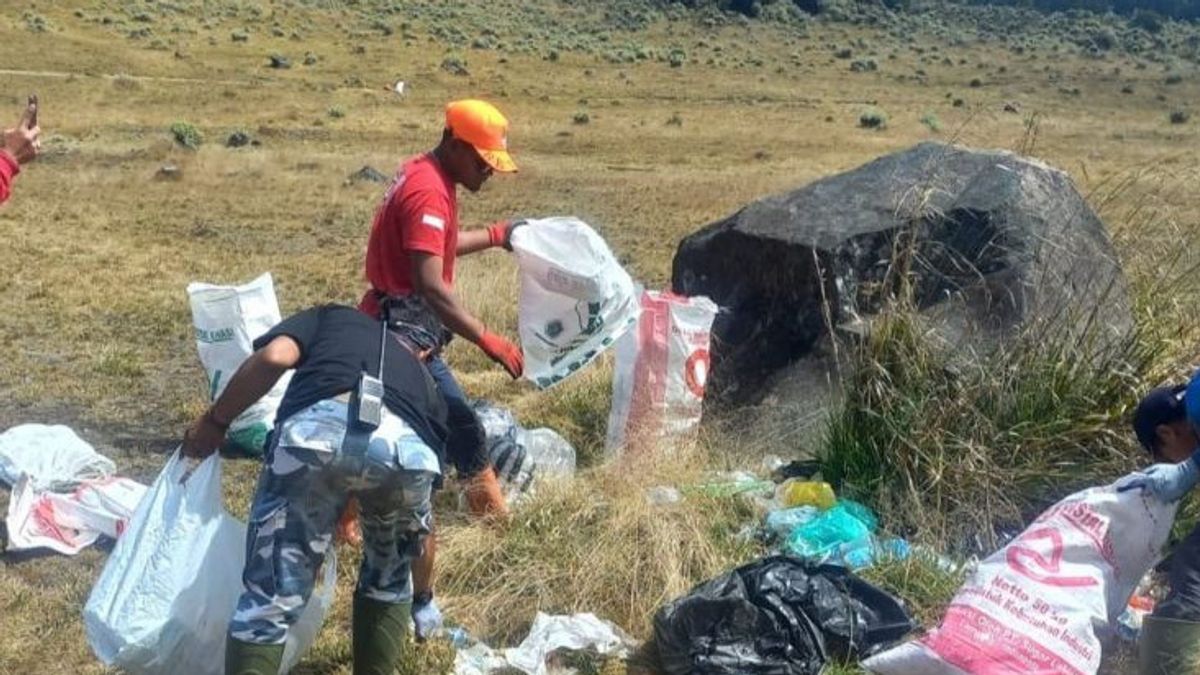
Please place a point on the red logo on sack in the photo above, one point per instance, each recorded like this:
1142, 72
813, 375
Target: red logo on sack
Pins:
695, 372
1026, 561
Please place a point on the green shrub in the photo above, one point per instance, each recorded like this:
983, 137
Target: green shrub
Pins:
187, 135
931, 122
581, 118
872, 118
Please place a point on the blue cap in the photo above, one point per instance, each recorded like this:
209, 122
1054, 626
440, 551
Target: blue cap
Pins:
1192, 399
1164, 405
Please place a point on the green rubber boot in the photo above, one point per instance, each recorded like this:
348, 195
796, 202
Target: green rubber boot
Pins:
244, 658
380, 630
1168, 647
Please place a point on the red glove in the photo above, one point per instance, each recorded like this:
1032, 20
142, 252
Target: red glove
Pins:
503, 352
500, 232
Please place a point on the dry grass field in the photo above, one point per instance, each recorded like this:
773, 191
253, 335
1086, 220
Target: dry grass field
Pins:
98, 246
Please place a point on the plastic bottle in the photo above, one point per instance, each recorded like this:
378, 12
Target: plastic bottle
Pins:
459, 637
550, 452
794, 493
781, 523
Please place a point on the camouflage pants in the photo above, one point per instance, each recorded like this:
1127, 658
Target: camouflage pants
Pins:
301, 492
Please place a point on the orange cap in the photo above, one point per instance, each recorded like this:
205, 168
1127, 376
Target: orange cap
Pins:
480, 124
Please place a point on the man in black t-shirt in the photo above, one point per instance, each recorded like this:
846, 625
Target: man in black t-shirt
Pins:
316, 461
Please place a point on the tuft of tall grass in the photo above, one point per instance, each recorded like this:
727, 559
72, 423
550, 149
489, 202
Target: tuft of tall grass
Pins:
961, 446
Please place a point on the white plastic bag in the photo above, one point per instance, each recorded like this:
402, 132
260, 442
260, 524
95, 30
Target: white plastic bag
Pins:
578, 631
53, 456
68, 523
662, 367
104, 505
227, 319
1043, 603
163, 602
576, 300
547, 635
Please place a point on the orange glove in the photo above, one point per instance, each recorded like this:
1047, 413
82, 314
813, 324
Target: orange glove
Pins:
484, 497
348, 530
500, 232
503, 352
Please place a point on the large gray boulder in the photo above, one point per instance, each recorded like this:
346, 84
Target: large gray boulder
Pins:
992, 242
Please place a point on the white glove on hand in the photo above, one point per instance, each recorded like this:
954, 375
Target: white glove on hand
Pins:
1167, 482
427, 619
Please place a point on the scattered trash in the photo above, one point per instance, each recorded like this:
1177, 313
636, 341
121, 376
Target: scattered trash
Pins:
1044, 601
795, 492
64, 495
576, 299
782, 523
728, 484
169, 172
800, 468
662, 495
399, 87
1129, 624
846, 526
776, 615
872, 551
521, 455
69, 523
661, 368
549, 637
552, 454
227, 319
163, 601
54, 458
505, 449
279, 62
368, 174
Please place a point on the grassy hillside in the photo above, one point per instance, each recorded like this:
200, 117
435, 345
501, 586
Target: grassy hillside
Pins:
646, 122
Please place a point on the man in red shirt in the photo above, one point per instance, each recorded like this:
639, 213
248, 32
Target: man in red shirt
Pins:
21, 146
414, 244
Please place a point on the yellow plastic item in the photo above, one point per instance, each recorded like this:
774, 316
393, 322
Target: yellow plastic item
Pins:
807, 493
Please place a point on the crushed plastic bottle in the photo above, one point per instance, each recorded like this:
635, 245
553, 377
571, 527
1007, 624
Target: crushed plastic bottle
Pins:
866, 556
460, 638
783, 522
551, 453
1129, 624
795, 492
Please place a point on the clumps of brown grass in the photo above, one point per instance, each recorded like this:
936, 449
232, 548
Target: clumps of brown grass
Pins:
593, 544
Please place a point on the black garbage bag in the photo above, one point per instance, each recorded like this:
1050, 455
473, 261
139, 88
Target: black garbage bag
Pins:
777, 615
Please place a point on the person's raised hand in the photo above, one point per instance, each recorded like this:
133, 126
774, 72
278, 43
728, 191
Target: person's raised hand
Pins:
23, 142
504, 352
